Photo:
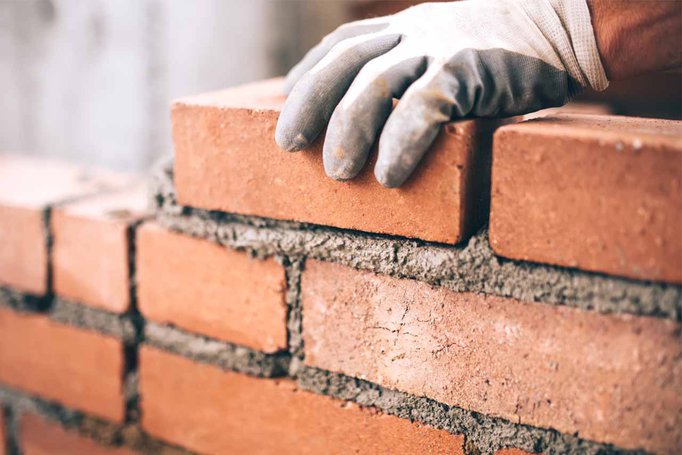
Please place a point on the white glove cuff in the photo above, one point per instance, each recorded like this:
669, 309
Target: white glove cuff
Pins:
568, 26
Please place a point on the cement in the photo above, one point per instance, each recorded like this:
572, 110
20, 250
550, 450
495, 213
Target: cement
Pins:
23, 302
105, 322
213, 352
469, 267
483, 434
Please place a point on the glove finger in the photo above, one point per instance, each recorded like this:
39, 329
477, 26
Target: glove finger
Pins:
317, 53
357, 120
313, 99
414, 124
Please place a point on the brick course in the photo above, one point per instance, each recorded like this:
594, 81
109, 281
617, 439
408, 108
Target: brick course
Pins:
28, 186
212, 411
39, 437
77, 368
226, 159
600, 193
612, 378
214, 291
91, 248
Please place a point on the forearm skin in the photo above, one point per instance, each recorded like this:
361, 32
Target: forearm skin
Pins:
637, 36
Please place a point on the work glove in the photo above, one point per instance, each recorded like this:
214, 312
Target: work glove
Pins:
445, 61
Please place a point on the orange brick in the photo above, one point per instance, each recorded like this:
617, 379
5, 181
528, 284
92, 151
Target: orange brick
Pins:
39, 437
79, 369
205, 288
205, 409
226, 159
598, 193
91, 248
610, 378
27, 187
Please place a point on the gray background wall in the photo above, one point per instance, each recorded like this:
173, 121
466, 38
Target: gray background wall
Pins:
92, 80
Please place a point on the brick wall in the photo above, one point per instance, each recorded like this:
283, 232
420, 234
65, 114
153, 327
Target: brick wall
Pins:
254, 306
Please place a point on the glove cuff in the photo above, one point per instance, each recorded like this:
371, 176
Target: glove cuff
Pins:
576, 19
568, 26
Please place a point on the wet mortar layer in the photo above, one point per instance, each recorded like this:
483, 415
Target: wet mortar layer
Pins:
483, 434
218, 353
104, 433
468, 267
293, 269
112, 324
21, 302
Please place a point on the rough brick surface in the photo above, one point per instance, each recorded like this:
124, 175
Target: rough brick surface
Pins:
77, 368
612, 378
212, 411
202, 287
226, 159
597, 193
91, 248
39, 437
27, 187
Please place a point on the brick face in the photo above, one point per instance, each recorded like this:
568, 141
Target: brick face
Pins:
598, 193
39, 437
612, 378
208, 410
79, 369
225, 149
23, 256
205, 288
27, 187
91, 248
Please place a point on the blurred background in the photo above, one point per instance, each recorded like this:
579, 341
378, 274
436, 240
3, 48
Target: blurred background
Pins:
92, 80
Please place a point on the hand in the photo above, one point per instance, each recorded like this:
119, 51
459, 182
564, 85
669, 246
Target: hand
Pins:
481, 58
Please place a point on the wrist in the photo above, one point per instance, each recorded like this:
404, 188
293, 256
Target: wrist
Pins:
637, 36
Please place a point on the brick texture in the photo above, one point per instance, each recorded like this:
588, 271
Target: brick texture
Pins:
39, 437
226, 159
205, 288
597, 193
209, 410
91, 248
610, 378
27, 187
79, 369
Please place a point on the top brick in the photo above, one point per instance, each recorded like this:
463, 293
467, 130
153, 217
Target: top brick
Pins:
599, 193
28, 186
226, 159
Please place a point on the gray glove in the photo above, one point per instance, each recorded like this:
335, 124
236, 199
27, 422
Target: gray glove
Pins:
476, 58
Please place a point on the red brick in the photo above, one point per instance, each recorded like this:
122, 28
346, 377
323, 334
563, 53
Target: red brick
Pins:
226, 159
611, 378
208, 410
91, 248
79, 369
598, 193
27, 186
39, 437
205, 288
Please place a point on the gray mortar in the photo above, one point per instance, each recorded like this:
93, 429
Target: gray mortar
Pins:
111, 324
294, 315
470, 267
224, 355
104, 433
483, 434
23, 302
